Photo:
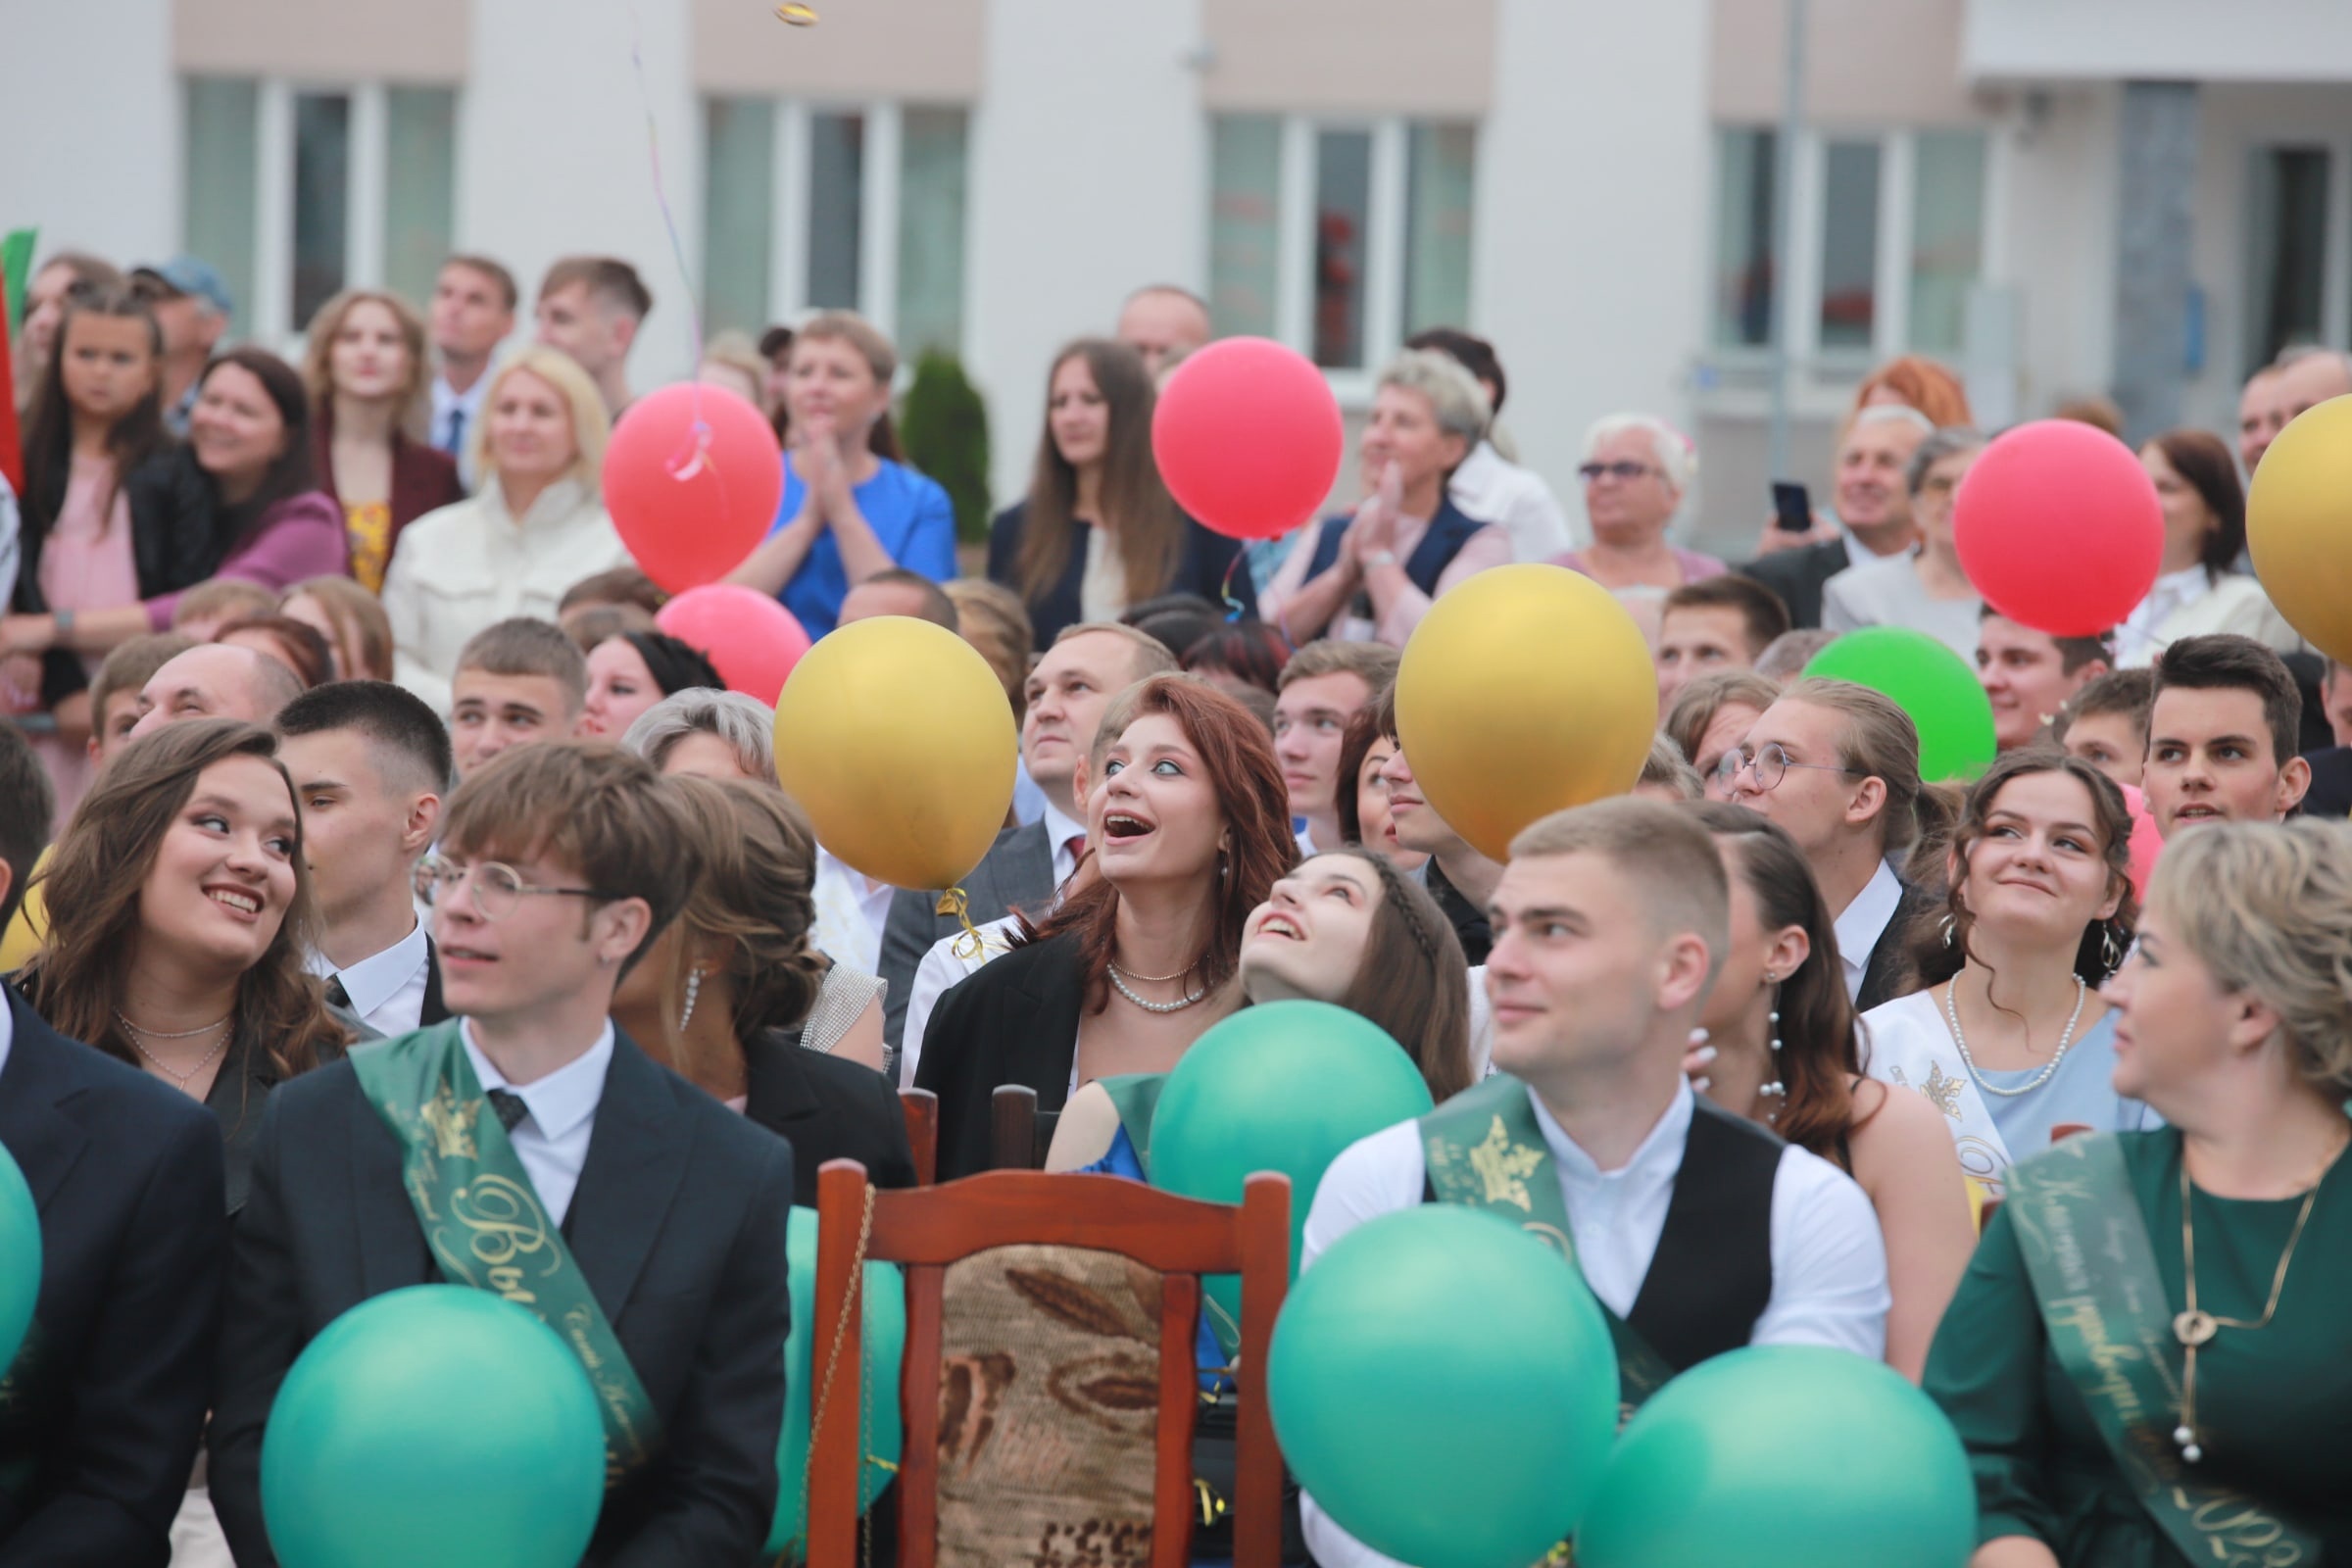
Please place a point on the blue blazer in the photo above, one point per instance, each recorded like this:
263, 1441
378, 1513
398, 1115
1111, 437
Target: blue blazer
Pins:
1203, 568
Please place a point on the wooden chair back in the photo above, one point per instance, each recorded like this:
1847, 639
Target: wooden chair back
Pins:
920, 1108
1019, 1134
924, 1229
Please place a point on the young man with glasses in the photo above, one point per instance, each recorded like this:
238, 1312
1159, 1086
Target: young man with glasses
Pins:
653, 1217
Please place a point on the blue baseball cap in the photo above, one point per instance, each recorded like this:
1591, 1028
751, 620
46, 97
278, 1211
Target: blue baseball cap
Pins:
195, 278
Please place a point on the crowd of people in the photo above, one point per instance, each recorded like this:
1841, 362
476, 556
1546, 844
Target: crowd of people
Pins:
354, 799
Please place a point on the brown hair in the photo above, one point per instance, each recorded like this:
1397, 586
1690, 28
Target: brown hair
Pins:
2210, 469
300, 646
1938, 940
522, 644
615, 585
223, 598
1237, 757
93, 885
881, 358
992, 619
1371, 725
754, 899
613, 282
361, 626
1818, 1057
131, 666
1667, 768
1414, 980
1662, 849
1699, 701
593, 807
410, 403
1136, 506
500, 279
1374, 664
49, 442
1766, 617
2226, 661
2129, 692
1919, 383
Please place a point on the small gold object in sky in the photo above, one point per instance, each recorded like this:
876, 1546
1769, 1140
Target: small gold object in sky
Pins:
796, 14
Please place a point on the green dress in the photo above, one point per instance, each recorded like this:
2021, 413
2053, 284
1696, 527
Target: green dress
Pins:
2273, 1406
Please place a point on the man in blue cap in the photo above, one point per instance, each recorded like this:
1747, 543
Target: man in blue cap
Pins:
192, 306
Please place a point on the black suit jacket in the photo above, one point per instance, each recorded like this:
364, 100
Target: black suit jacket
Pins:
677, 1224
827, 1108
2330, 792
1015, 1021
1888, 973
126, 1174
1797, 577
433, 1010
1017, 874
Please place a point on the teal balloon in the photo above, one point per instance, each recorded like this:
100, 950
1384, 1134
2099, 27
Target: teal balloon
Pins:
434, 1424
874, 1384
1930, 682
1444, 1385
1784, 1457
1282, 1086
20, 1258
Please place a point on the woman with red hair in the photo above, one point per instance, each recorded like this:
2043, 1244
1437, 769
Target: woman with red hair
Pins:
1187, 830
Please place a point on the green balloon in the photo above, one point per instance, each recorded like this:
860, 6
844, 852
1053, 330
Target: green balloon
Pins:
874, 1385
1930, 682
1282, 1086
1713, 1471
1444, 1385
19, 1258
434, 1424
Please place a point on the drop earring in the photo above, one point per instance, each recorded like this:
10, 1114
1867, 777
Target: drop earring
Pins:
1775, 1090
693, 990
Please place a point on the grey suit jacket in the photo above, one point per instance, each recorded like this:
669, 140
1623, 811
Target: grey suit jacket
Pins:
1018, 874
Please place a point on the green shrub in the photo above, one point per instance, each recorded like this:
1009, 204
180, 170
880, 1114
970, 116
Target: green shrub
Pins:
944, 425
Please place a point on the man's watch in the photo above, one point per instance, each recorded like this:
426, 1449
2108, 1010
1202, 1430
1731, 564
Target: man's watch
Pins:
1380, 557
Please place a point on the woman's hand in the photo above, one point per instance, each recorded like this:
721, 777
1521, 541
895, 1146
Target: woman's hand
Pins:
825, 466
1375, 527
19, 684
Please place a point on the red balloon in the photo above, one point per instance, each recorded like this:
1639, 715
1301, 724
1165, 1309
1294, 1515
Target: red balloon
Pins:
692, 479
754, 640
1248, 437
2059, 527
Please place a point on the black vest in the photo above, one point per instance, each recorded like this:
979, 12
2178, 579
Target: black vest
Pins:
1448, 532
1711, 1276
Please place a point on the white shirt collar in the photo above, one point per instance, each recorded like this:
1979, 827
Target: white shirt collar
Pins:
375, 979
561, 1101
1661, 1151
1060, 830
1865, 920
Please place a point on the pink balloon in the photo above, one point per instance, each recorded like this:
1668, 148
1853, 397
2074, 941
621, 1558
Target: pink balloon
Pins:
692, 479
754, 640
1248, 437
2059, 527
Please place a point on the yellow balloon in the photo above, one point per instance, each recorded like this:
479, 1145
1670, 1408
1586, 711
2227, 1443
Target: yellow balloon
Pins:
896, 737
1523, 692
28, 928
2299, 525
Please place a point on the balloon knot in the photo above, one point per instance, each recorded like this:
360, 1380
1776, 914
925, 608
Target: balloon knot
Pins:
955, 905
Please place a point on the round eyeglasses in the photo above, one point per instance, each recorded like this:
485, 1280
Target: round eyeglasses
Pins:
1769, 763
498, 888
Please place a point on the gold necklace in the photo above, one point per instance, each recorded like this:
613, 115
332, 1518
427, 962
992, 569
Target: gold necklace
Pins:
2194, 1326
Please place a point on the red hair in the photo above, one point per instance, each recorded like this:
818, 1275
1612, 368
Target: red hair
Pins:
1921, 383
1237, 757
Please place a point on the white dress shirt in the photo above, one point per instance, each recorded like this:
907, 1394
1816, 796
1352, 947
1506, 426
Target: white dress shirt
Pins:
850, 915
551, 1142
467, 407
1492, 488
1864, 922
1828, 1261
387, 988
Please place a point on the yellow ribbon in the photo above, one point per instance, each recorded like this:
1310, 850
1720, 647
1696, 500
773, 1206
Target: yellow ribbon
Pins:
970, 944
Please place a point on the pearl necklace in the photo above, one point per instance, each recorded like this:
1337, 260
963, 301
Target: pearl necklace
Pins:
1118, 983
1951, 1015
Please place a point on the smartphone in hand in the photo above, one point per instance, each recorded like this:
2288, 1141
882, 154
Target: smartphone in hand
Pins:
1792, 507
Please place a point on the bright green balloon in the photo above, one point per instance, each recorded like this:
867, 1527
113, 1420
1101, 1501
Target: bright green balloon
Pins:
1930, 682
1442, 1384
19, 1258
875, 1386
1784, 1457
1282, 1086
436, 1424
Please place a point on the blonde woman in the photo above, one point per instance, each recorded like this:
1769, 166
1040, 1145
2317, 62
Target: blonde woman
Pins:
536, 526
366, 373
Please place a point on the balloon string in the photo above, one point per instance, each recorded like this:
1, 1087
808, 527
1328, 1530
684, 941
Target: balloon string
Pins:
692, 457
1233, 605
971, 944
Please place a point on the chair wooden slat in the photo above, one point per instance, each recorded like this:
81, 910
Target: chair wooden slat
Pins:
920, 1108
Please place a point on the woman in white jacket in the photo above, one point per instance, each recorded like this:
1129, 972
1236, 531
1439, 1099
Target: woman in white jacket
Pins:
536, 526
2199, 589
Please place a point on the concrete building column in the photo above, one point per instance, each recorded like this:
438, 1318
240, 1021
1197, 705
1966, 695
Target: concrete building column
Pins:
2156, 184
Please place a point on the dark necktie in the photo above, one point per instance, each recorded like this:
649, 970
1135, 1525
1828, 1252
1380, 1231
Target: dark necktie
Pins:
336, 996
509, 1107
453, 441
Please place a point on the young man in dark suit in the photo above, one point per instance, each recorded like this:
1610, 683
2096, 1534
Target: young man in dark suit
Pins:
102, 1407
655, 1228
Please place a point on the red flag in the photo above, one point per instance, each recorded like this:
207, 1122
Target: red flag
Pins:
12, 454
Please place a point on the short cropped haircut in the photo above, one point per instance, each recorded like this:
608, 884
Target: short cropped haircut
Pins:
615, 585
1765, 615
612, 282
496, 272
1151, 655
1666, 767
396, 723
223, 600
131, 665
1662, 849
2129, 692
524, 646
601, 813
938, 609
2226, 661
2073, 652
27, 802
746, 724
1373, 663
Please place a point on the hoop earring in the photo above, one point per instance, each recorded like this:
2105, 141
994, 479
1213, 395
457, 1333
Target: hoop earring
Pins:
2110, 947
694, 991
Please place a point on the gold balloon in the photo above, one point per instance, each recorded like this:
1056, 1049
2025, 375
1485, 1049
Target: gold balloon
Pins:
2299, 525
1523, 692
896, 737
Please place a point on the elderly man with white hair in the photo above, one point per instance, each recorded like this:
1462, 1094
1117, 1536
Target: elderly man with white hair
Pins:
1873, 504
1636, 470
1371, 574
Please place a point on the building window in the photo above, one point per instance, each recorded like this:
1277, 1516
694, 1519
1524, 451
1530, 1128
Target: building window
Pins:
932, 204
297, 193
1340, 239
2286, 225
1849, 245
1948, 236
739, 164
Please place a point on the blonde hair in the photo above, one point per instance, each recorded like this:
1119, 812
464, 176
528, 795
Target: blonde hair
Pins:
361, 626
318, 347
2268, 907
591, 425
1663, 850
1454, 396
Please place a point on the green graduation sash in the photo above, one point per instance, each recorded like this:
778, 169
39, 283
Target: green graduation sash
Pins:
2086, 1250
1483, 1149
486, 1225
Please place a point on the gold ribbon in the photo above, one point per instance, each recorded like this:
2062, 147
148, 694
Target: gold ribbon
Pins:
970, 945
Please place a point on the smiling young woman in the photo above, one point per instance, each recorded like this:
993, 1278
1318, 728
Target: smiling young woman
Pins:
367, 374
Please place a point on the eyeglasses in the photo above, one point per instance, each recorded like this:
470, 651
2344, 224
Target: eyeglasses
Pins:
497, 887
1771, 765
1622, 473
